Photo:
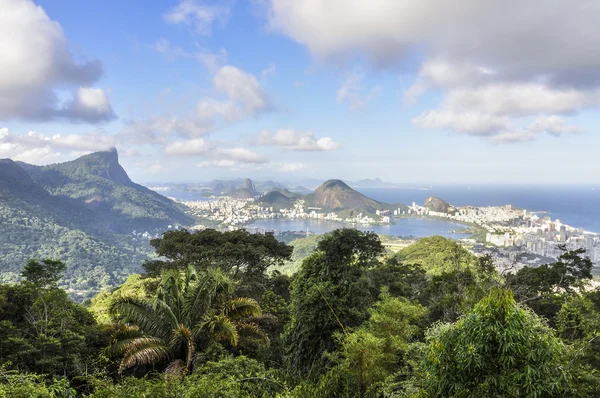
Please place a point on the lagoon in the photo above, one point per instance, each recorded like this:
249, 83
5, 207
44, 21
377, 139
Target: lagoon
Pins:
416, 227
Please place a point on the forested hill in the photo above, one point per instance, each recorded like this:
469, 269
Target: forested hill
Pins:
100, 183
83, 212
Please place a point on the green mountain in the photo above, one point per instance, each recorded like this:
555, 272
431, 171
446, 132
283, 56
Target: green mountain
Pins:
82, 212
335, 195
100, 183
275, 199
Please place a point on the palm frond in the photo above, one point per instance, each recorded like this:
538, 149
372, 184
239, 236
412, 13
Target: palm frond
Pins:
182, 340
139, 313
255, 330
201, 294
165, 312
220, 328
145, 351
241, 307
121, 339
176, 368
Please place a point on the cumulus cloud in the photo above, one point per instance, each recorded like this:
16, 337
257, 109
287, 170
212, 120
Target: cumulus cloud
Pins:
35, 62
39, 148
292, 140
199, 17
493, 62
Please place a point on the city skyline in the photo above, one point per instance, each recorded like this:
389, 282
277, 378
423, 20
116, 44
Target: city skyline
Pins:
275, 89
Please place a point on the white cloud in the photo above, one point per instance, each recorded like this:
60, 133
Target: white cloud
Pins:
351, 89
39, 148
241, 87
90, 104
193, 147
198, 16
494, 63
35, 62
239, 97
292, 140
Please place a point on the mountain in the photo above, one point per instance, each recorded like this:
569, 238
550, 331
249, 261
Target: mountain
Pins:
436, 204
247, 191
335, 195
82, 212
100, 182
275, 199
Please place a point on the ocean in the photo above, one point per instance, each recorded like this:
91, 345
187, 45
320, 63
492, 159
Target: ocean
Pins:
577, 206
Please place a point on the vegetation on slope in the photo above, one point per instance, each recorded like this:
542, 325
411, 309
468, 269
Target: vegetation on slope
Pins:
351, 323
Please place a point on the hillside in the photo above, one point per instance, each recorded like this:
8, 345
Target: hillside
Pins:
275, 199
100, 183
335, 195
436, 254
436, 204
82, 212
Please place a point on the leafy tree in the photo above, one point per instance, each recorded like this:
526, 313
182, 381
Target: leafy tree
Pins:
45, 274
498, 349
189, 311
578, 324
378, 347
545, 288
242, 255
329, 294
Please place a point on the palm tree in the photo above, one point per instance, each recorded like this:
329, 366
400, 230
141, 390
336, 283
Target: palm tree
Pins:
189, 311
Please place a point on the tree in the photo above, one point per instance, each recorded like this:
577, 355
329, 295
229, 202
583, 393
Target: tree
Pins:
329, 294
545, 288
244, 256
190, 311
499, 349
378, 347
45, 274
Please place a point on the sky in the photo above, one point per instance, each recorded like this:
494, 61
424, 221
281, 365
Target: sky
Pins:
469, 91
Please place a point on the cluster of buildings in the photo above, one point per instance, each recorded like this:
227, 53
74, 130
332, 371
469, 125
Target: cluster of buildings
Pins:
520, 231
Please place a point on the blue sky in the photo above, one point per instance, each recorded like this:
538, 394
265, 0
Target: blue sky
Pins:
196, 90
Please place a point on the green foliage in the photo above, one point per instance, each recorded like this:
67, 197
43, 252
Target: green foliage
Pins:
189, 311
14, 384
43, 331
437, 255
242, 255
546, 287
498, 349
229, 378
377, 349
329, 294
45, 274
135, 286
578, 324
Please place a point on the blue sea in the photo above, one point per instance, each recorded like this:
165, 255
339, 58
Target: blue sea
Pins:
577, 206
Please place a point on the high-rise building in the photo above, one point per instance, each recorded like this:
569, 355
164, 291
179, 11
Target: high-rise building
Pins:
563, 233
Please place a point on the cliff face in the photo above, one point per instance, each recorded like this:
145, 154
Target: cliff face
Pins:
436, 204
